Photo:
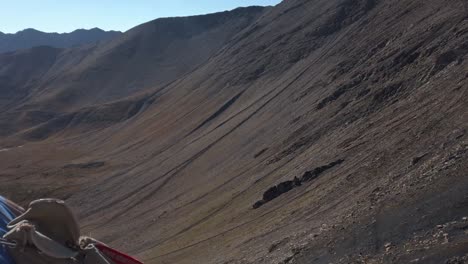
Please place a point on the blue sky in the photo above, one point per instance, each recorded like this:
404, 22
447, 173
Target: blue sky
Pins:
68, 15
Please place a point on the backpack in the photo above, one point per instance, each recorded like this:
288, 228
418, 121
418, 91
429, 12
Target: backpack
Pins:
48, 233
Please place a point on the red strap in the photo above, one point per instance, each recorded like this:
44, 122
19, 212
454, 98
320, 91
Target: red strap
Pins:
117, 256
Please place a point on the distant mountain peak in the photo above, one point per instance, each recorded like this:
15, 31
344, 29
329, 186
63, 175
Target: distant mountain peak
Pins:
30, 37
95, 29
29, 30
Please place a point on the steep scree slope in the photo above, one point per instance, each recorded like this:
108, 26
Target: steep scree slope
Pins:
379, 85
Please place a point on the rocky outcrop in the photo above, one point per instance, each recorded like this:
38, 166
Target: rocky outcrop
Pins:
284, 187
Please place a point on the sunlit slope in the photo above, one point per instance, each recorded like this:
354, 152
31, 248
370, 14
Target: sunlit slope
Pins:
171, 174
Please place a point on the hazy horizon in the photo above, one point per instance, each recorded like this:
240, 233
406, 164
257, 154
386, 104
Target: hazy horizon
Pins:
55, 17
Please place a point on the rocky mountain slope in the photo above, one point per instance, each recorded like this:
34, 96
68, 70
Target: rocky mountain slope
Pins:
312, 132
47, 81
30, 38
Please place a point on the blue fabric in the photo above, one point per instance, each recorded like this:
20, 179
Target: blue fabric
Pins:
6, 215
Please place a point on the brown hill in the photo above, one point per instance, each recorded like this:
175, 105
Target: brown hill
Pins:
345, 119
48, 82
148, 56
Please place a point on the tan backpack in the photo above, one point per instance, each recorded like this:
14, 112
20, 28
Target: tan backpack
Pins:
48, 233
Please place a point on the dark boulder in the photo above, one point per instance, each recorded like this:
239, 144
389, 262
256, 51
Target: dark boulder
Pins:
258, 204
308, 176
271, 194
297, 181
285, 187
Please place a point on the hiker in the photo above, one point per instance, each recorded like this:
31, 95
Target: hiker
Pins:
48, 233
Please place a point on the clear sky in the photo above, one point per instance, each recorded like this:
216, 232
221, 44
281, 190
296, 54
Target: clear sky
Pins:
68, 15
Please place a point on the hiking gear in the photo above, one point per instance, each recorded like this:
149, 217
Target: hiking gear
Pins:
8, 243
48, 232
52, 217
8, 211
116, 256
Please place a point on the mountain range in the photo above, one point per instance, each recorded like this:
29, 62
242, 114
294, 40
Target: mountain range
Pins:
29, 38
325, 131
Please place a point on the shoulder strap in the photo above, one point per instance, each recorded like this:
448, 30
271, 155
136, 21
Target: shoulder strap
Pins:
92, 255
25, 235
